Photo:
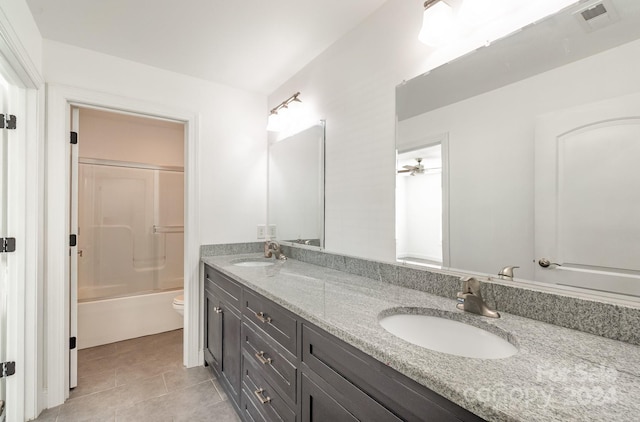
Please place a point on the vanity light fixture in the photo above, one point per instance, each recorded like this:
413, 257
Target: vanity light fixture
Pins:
275, 115
437, 23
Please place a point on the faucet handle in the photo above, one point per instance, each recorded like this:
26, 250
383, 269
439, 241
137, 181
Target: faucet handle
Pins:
470, 285
267, 250
507, 272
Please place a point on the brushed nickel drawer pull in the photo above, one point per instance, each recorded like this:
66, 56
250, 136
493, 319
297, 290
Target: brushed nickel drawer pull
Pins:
263, 317
262, 359
263, 399
218, 310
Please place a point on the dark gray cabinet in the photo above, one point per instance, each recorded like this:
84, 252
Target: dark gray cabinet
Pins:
213, 330
277, 367
222, 331
319, 405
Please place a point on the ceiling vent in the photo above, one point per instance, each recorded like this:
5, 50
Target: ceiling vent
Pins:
596, 15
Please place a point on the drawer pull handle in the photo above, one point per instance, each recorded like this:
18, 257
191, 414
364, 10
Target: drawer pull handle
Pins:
262, 359
262, 398
263, 317
218, 310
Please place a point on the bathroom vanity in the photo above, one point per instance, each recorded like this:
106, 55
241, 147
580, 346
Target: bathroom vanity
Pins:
294, 341
275, 365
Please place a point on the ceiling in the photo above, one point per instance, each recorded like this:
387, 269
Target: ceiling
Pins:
254, 45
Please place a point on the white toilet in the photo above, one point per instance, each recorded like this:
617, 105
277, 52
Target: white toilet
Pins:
178, 304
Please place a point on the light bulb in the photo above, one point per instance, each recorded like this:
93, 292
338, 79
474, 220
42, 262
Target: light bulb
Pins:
437, 24
274, 123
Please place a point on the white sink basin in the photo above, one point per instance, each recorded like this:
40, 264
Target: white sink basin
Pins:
253, 262
448, 336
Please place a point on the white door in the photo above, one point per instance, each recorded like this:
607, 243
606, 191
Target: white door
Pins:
587, 196
73, 255
4, 282
11, 277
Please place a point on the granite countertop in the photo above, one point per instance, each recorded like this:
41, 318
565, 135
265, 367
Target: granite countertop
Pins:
558, 374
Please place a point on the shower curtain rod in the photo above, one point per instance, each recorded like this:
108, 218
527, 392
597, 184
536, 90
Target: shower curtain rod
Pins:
128, 164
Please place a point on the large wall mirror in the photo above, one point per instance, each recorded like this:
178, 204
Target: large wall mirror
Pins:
543, 137
296, 188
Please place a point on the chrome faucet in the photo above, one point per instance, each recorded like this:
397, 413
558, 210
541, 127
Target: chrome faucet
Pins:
272, 247
507, 273
470, 299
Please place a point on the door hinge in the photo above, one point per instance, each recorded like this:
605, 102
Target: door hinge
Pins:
7, 244
7, 369
8, 122
74, 138
72, 343
73, 240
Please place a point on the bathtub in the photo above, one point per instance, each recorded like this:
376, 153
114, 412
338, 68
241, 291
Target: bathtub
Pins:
106, 321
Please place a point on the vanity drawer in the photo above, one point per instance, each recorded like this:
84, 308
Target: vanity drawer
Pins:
222, 286
353, 372
259, 394
271, 359
272, 319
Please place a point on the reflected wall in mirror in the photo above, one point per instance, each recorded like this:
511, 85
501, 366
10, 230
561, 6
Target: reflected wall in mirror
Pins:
296, 187
523, 117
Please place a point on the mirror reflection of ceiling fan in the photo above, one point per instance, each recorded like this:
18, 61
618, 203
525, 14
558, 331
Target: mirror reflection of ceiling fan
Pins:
417, 169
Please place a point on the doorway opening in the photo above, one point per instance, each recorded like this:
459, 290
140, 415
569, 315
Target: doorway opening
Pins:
419, 206
127, 210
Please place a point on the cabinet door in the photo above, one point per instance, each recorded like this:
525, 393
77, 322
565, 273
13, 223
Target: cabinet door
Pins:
231, 352
318, 405
213, 332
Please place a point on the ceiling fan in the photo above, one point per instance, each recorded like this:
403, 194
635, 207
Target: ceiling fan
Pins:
417, 169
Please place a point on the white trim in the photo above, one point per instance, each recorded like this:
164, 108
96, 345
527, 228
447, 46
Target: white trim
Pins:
59, 100
28, 204
18, 58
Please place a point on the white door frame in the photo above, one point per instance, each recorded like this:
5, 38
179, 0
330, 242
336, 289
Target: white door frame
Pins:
59, 101
26, 205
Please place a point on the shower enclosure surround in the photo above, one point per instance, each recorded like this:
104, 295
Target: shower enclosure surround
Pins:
131, 249
131, 229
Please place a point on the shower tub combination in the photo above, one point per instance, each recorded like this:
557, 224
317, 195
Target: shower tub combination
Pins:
131, 250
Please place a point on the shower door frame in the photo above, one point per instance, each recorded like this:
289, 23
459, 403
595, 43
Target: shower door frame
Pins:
60, 100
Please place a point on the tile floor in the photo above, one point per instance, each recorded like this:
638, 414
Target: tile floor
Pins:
142, 380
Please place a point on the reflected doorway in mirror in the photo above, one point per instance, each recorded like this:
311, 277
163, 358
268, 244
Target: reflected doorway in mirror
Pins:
421, 189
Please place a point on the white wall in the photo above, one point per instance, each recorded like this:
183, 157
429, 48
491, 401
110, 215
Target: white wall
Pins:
17, 14
352, 86
419, 216
232, 137
121, 137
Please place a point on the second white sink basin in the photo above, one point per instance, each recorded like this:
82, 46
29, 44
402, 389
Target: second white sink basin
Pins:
448, 336
253, 262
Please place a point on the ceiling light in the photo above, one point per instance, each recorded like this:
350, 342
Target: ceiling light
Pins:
289, 108
273, 124
437, 24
